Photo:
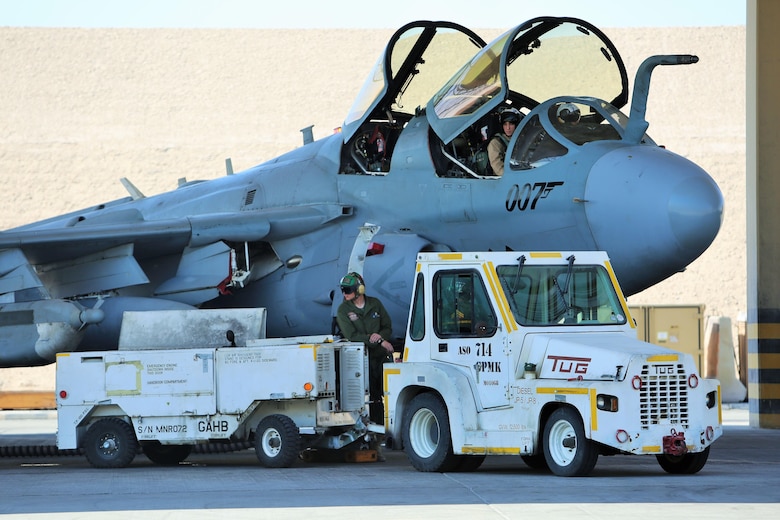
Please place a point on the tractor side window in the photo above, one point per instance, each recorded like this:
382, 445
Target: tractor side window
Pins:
462, 305
417, 323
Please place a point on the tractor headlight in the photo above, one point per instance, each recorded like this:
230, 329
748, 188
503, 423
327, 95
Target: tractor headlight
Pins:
712, 399
608, 403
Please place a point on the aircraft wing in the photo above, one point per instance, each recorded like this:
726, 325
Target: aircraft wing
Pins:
87, 258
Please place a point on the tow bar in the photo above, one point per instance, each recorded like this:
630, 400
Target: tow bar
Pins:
674, 444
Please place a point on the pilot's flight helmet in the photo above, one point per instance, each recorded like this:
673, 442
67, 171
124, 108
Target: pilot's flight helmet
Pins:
512, 115
568, 113
352, 282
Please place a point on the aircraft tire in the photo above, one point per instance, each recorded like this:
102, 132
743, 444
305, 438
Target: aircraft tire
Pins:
426, 433
566, 449
277, 441
110, 443
687, 464
166, 454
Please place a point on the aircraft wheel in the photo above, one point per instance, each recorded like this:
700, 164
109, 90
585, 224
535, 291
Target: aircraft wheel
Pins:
277, 441
426, 434
567, 452
110, 443
687, 464
166, 454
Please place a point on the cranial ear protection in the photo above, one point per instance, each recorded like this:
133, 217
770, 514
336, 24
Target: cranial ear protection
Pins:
354, 281
361, 288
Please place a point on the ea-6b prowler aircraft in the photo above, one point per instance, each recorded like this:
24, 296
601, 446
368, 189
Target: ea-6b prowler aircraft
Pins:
407, 173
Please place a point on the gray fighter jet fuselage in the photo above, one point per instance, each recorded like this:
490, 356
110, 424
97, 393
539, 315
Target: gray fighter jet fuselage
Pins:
407, 173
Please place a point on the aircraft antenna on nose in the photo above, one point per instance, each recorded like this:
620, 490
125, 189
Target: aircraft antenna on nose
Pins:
134, 192
308, 134
229, 166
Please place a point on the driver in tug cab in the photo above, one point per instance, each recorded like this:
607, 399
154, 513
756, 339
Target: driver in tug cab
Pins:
496, 149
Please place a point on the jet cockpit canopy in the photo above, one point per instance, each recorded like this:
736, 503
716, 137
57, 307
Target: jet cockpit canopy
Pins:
419, 58
541, 59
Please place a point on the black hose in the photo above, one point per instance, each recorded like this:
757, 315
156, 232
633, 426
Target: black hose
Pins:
53, 451
37, 451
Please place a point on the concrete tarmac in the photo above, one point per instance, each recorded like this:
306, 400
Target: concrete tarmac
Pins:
741, 480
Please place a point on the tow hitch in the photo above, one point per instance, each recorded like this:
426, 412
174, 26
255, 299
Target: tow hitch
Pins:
674, 444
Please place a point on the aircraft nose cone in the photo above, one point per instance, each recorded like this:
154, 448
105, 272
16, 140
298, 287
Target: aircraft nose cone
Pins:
653, 211
695, 211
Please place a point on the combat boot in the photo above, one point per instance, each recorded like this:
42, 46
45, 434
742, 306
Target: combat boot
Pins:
376, 444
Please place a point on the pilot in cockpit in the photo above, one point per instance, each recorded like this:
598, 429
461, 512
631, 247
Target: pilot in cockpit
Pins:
566, 121
496, 149
568, 114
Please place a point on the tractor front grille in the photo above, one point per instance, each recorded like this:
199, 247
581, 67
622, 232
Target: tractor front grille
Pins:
663, 398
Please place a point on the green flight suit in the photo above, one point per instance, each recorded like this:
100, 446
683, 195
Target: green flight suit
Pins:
358, 325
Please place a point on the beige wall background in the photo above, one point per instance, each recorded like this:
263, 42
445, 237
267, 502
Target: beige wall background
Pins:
81, 108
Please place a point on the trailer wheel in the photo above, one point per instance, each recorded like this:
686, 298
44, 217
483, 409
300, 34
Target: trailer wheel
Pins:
277, 441
535, 461
110, 443
469, 463
166, 454
567, 452
687, 464
426, 434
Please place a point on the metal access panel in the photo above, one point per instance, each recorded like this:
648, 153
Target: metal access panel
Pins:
160, 383
267, 373
678, 327
353, 367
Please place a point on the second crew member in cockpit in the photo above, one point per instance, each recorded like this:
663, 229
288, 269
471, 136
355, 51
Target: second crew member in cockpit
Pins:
498, 144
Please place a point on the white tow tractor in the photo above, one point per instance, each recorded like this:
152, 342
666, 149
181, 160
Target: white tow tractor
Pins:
174, 384
534, 354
